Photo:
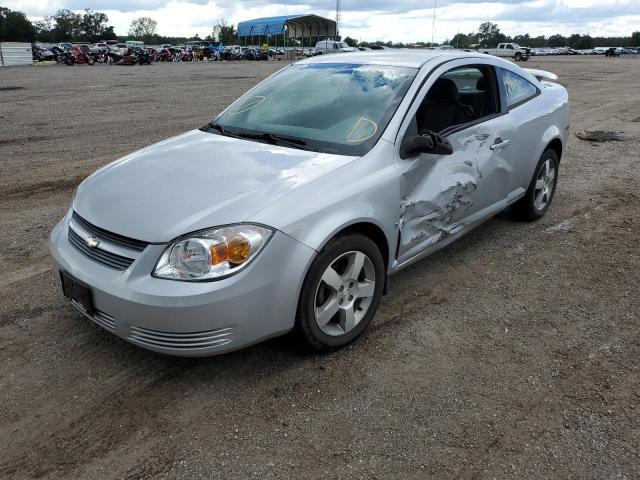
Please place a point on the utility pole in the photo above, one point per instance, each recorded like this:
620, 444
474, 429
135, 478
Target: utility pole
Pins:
338, 8
433, 25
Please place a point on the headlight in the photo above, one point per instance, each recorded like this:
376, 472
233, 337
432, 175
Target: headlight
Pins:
212, 254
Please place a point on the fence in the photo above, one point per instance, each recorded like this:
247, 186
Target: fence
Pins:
13, 53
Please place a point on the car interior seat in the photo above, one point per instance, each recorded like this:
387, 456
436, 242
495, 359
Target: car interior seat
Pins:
442, 108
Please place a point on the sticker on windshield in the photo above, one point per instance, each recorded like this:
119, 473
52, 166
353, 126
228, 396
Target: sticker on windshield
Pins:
363, 130
248, 105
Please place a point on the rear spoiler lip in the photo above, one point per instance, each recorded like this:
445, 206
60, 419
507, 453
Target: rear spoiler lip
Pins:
541, 74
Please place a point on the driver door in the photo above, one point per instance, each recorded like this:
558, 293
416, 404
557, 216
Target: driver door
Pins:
445, 195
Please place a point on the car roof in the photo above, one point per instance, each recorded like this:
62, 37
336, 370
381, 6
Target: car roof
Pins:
397, 57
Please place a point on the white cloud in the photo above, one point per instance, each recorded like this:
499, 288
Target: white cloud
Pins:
401, 20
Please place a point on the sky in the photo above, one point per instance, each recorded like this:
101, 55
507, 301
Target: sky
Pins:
368, 20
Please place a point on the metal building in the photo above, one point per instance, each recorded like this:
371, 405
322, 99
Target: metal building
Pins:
288, 26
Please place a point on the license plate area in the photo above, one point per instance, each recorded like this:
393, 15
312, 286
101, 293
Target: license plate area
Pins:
77, 292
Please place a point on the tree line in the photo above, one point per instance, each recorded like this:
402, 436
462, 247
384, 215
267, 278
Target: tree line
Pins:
91, 26
489, 36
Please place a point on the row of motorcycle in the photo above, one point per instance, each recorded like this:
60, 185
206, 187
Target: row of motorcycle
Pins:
83, 55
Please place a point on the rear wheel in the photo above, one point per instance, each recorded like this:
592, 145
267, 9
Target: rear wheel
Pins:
540, 193
341, 292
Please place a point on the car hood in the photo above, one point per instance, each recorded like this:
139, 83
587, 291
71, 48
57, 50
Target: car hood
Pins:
194, 181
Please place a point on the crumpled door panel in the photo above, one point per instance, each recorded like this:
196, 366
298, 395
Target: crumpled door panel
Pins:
443, 191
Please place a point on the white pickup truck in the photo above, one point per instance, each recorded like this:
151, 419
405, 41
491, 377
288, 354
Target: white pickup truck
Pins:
511, 50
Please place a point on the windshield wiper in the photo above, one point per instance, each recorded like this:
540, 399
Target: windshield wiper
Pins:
271, 138
222, 130
274, 139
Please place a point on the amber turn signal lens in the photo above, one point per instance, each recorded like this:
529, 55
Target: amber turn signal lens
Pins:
219, 253
235, 250
239, 248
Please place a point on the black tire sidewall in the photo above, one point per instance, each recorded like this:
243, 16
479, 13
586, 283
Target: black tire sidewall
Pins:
305, 321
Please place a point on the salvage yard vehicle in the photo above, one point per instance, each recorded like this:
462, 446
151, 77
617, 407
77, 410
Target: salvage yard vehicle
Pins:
510, 50
291, 208
333, 46
78, 55
41, 54
611, 52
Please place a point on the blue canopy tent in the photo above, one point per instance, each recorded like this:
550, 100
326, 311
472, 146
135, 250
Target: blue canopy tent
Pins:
289, 26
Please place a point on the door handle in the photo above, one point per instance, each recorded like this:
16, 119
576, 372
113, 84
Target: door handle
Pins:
499, 144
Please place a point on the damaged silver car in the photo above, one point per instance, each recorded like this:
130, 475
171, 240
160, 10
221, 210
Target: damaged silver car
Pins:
292, 207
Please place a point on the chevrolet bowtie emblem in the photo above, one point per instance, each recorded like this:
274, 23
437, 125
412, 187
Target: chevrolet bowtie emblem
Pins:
92, 242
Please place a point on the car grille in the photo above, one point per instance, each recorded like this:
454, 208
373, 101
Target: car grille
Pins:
112, 238
102, 319
155, 338
108, 259
112, 250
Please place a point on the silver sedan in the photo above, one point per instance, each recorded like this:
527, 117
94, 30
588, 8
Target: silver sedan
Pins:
290, 209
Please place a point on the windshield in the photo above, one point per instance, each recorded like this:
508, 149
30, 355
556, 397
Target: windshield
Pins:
332, 108
341, 45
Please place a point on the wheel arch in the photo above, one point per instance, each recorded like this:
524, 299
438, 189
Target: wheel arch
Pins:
370, 230
556, 146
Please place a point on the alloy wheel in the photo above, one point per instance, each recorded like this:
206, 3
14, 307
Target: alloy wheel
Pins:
344, 293
545, 183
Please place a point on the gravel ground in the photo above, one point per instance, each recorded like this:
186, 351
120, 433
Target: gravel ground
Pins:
510, 354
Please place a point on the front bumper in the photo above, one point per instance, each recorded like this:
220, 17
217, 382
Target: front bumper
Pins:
191, 318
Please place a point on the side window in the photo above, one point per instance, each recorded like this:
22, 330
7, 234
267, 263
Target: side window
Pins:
462, 95
518, 89
509, 47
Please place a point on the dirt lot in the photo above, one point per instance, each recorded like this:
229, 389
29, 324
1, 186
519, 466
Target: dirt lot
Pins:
511, 354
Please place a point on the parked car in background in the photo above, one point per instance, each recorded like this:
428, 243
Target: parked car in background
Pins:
333, 46
290, 209
612, 52
510, 50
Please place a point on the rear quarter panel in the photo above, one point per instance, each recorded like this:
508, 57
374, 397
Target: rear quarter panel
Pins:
538, 122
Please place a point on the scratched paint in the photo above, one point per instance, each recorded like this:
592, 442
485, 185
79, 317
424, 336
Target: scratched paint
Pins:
426, 222
440, 194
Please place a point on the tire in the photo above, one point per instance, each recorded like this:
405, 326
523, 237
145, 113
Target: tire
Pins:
518, 57
535, 202
337, 302
90, 61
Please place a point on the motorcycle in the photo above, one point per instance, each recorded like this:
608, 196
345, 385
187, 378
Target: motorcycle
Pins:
126, 57
141, 56
166, 55
41, 54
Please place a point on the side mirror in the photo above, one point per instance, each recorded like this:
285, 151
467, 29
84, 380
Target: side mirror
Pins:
425, 142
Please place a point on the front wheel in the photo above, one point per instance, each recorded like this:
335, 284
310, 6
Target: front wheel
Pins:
540, 193
341, 292
518, 57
